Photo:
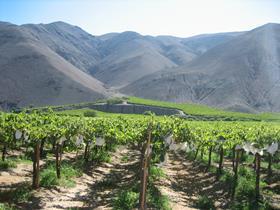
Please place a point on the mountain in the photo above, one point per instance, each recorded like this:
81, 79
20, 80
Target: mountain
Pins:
31, 72
117, 59
202, 43
241, 74
128, 56
70, 42
57, 63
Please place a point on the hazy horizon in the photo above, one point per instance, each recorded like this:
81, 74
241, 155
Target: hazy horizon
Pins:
181, 18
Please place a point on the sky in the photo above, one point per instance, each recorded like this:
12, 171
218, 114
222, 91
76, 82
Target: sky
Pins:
181, 18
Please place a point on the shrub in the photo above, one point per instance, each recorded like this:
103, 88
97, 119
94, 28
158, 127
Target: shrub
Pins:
227, 177
243, 157
156, 200
246, 172
126, 200
90, 113
245, 189
22, 193
156, 173
112, 101
4, 206
101, 156
48, 176
205, 203
7, 164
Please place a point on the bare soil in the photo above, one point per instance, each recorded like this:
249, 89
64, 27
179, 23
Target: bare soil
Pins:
184, 183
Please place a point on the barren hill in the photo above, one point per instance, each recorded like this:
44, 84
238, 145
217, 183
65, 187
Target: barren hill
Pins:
32, 73
241, 74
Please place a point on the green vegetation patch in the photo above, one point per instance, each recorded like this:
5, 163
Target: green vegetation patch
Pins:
205, 203
202, 110
48, 176
22, 193
101, 156
156, 173
129, 198
6, 206
126, 199
7, 164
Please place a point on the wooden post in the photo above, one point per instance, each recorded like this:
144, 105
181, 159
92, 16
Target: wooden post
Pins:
219, 172
86, 153
233, 157
258, 167
57, 160
36, 166
4, 151
145, 171
42, 147
209, 158
196, 153
255, 163
237, 156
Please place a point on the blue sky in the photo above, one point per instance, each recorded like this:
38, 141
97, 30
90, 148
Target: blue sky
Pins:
154, 17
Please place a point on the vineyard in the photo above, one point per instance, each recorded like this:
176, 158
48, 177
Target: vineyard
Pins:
241, 157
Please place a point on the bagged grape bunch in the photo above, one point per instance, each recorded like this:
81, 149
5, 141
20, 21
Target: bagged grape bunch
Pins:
272, 149
168, 140
79, 140
99, 141
61, 140
18, 134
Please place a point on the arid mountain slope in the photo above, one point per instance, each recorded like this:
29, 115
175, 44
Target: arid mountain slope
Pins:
128, 56
241, 74
70, 42
117, 59
60, 63
31, 73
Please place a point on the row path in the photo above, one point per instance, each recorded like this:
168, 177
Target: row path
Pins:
186, 181
95, 189
99, 184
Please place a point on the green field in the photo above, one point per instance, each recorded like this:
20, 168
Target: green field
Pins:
197, 112
81, 113
202, 110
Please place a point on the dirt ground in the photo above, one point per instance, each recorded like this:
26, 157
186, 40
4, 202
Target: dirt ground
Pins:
95, 189
185, 182
99, 184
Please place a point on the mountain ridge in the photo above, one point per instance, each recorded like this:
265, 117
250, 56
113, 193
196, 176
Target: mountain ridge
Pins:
242, 74
229, 70
31, 73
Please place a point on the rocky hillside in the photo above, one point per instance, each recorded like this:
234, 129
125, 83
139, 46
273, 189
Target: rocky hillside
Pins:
33, 73
59, 63
241, 74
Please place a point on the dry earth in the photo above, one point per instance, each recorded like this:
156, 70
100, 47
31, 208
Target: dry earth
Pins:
185, 181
